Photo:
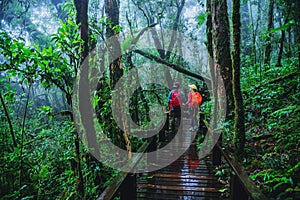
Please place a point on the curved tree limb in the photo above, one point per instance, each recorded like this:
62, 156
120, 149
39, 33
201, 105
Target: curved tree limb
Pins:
172, 65
139, 35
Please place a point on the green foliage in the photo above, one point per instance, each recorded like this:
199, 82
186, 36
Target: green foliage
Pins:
281, 184
284, 27
223, 173
272, 121
18, 59
201, 19
206, 107
47, 153
61, 63
46, 110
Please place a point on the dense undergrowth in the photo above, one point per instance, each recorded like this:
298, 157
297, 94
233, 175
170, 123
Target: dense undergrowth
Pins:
272, 115
272, 130
45, 166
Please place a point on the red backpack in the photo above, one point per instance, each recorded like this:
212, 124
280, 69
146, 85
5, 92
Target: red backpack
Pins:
196, 99
176, 98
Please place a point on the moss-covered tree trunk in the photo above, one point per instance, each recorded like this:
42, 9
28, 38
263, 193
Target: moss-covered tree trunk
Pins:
112, 13
82, 19
254, 29
209, 44
269, 35
239, 121
298, 30
245, 30
281, 46
221, 47
222, 64
209, 35
112, 8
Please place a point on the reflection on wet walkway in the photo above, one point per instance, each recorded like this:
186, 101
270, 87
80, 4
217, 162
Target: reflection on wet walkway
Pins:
188, 178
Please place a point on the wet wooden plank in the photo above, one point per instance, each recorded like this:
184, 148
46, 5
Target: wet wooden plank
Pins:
180, 182
183, 180
178, 197
189, 176
174, 194
180, 188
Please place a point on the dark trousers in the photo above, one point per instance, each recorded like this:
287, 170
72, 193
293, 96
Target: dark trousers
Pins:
175, 117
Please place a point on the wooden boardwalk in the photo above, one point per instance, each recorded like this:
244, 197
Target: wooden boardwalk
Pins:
187, 178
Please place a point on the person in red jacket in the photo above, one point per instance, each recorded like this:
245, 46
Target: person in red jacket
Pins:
175, 100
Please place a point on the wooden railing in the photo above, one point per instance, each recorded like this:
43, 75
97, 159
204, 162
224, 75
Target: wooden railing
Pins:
124, 183
241, 186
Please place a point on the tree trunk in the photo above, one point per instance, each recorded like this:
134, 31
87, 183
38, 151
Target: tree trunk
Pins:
269, 35
245, 32
13, 137
21, 172
221, 47
239, 121
209, 29
116, 72
112, 13
254, 24
280, 48
286, 16
81, 18
298, 30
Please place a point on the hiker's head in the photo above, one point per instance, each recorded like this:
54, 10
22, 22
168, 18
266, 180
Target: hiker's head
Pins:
176, 85
193, 87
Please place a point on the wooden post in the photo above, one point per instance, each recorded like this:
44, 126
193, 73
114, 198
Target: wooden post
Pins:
237, 191
167, 121
201, 124
128, 187
153, 144
162, 133
168, 124
151, 148
217, 154
201, 120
